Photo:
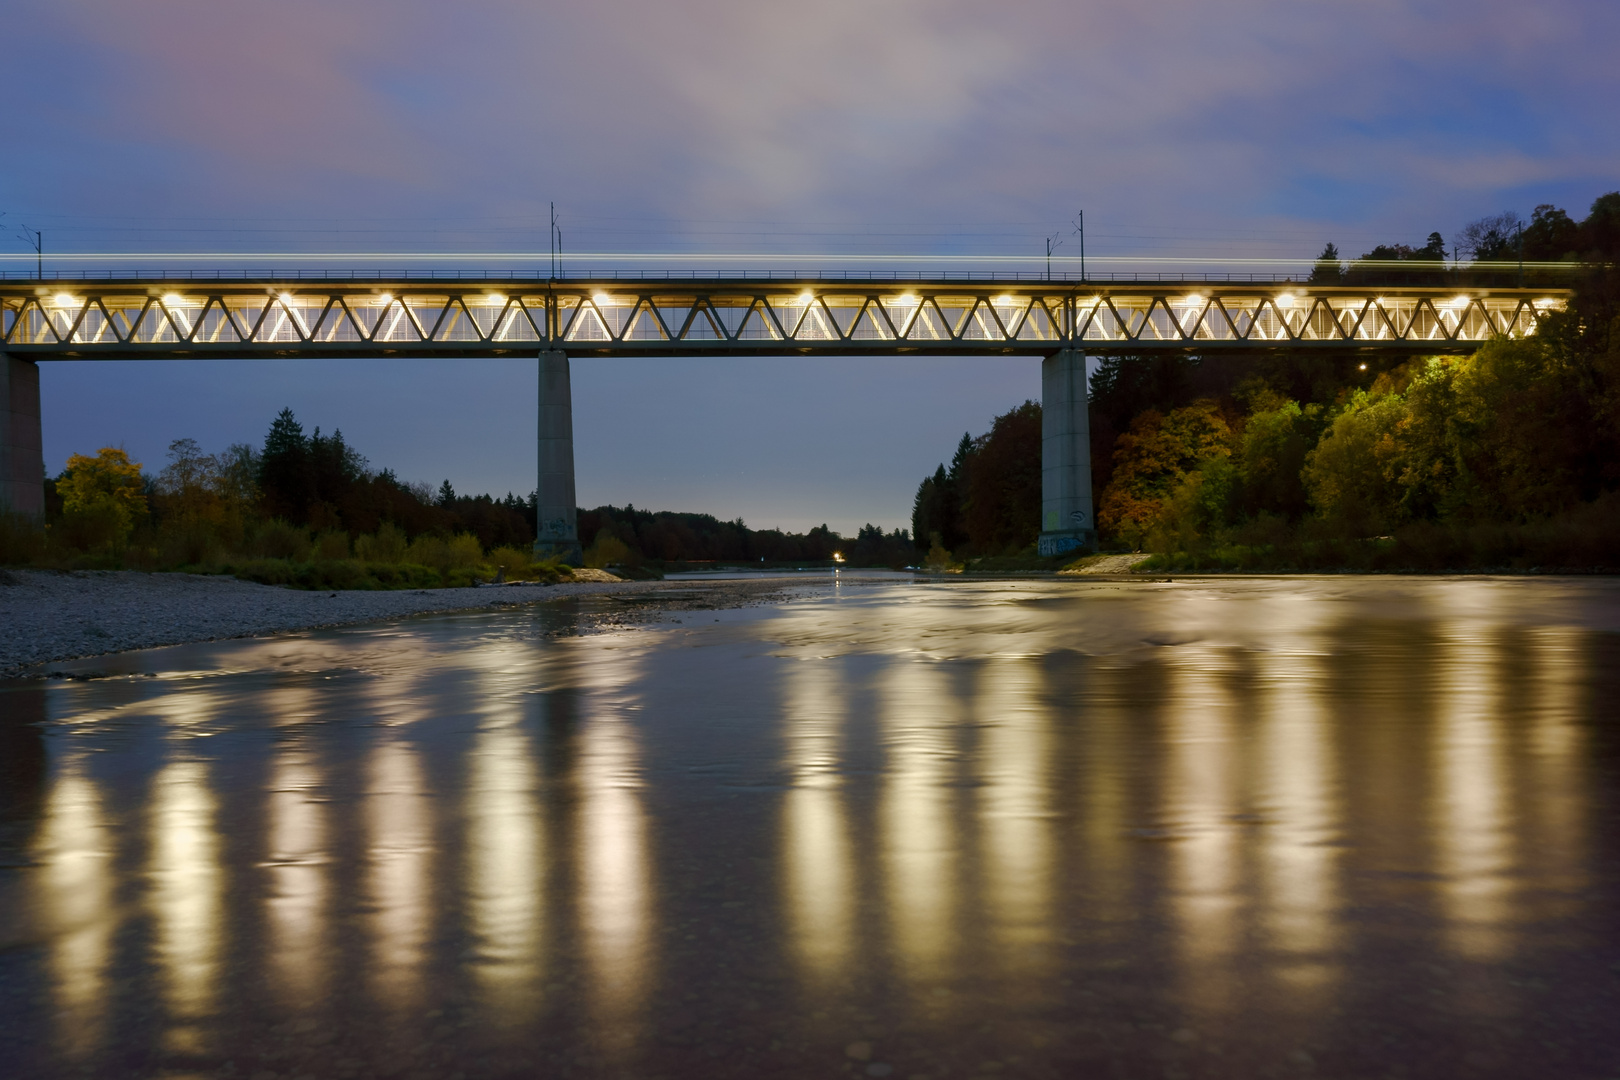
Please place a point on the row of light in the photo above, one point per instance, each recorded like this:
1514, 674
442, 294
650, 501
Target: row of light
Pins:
1282, 300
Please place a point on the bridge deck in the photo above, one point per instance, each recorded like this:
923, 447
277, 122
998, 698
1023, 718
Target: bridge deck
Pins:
197, 318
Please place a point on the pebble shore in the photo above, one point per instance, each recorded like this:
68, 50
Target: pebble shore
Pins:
47, 615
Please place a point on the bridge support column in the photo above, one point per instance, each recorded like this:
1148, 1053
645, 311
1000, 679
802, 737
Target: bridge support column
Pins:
22, 455
1067, 523
556, 521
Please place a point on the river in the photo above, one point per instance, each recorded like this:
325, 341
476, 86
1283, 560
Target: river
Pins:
1193, 828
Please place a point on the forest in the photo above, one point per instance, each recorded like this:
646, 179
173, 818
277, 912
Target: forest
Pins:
1508, 458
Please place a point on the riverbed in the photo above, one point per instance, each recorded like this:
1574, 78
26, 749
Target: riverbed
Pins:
1059, 828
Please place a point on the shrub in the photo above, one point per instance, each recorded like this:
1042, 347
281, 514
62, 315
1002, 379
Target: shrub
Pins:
457, 553
332, 545
279, 540
607, 550
22, 538
97, 526
387, 545
186, 544
516, 562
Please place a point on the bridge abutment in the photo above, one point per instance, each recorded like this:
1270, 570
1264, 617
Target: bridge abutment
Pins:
1067, 523
556, 516
22, 455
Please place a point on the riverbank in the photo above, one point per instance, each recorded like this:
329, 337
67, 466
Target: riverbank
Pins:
53, 615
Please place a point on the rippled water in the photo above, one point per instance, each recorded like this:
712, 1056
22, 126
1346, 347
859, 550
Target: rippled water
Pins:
1314, 827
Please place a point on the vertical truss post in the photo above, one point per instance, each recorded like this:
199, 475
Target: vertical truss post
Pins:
556, 519
1067, 523
22, 456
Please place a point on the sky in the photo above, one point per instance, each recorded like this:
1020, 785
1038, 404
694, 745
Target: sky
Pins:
1180, 127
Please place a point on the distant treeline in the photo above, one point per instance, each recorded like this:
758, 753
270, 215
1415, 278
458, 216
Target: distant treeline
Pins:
1509, 457
630, 536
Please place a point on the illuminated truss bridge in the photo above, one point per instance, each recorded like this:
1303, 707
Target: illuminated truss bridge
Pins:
197, 318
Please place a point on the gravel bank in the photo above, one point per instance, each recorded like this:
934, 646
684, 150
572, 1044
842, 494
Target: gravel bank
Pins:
46, 616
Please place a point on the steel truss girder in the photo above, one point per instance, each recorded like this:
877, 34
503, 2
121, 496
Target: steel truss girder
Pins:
195, 318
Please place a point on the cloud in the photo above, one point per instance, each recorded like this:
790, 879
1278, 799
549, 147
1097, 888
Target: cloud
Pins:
1171, 111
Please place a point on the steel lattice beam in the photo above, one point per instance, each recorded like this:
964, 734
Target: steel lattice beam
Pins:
193, 318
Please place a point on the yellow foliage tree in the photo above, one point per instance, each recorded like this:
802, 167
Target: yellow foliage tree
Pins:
107, 486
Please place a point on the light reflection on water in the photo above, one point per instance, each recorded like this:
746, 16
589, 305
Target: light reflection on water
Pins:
1056, 826
817, 872
921, 848
185, 873
76, 885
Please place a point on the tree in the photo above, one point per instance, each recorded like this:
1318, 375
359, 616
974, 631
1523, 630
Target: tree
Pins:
930, 518
189, 483
1551, 235
1124, 387
1494, 238
238, 468
1001, 507
1514, 428
1600, 232
1276, 437
1373, 267
1328, 269
286, 479
102, 496
335, 469
1352, 473
936, 510
1153, 457
447, 494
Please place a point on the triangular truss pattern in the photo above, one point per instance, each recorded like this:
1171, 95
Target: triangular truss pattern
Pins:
702, 325
456, 323
94, 326
845, 312
517, 323
33, 326
872, 324
980, 323
645, 325
213, 325
951, 316
956, 312
759, 324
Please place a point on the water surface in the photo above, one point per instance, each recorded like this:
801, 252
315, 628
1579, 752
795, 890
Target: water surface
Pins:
1288, 827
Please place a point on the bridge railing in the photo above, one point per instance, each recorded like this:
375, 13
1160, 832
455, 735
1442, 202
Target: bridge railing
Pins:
1496, 276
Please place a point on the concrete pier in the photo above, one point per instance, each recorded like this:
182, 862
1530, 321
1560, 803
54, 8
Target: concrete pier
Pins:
1067, 523
557, 526
22, 455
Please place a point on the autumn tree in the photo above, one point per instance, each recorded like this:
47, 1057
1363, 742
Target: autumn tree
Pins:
1153, 457
103, 497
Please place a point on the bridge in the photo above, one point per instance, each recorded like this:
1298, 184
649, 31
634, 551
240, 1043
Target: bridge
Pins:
199, 317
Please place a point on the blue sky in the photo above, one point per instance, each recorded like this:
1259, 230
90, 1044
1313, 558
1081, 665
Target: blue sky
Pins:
1247, 127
